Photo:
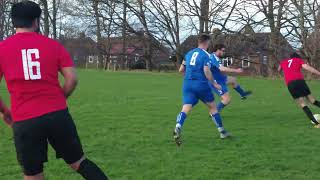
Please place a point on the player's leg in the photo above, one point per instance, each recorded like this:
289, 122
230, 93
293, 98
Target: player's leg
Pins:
31, 147
35, 177
208, 98
216, 118
189, 100
313, 100
225, 100
63, 137
236, 86
301, 102
299, 91
186, 108
224, 95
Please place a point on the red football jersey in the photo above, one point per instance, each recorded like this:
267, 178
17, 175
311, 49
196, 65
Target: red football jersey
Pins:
292, 69
30, 64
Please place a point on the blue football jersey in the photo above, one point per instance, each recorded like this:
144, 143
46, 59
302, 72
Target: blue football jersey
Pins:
196, 59
215, 65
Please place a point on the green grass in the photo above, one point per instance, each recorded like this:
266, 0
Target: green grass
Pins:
125, 121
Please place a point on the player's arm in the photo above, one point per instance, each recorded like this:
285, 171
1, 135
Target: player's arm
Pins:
279, 68
209, 76
5, 111
70, 80
182, 67
230, 70
311, 69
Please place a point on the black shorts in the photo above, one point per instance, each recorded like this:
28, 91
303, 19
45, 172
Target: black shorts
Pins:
298, 88
31, 138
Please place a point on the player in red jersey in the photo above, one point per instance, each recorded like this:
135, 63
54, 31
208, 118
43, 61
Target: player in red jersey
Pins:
297, 86
30, 64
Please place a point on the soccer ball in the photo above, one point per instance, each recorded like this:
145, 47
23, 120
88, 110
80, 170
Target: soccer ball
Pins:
317, 117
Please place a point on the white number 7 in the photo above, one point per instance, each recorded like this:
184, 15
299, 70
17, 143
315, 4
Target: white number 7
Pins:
290, 62
28, 64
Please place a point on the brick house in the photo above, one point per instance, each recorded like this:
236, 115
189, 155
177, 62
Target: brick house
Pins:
133, 56
245, 49
81, 49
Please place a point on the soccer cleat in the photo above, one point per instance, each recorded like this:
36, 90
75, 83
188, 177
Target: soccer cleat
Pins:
224, 134
246, 94
177, 136
317, 126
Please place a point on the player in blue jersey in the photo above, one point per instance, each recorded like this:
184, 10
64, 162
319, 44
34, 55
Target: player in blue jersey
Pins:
223, 80
195, 87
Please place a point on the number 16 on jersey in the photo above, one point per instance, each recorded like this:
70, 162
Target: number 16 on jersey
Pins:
29, 65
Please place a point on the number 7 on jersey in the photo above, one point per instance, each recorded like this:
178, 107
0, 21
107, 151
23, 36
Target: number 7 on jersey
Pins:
290, 62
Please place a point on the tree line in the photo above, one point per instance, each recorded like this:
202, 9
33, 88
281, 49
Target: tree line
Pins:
171, 21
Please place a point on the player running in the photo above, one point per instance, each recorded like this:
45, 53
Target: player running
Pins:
296, 84
30, 64
197, 74
223, 80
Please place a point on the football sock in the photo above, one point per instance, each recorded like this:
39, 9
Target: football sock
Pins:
180, 119
90, 171
309, 114
316, 103
240, 91
218, 121
220, 106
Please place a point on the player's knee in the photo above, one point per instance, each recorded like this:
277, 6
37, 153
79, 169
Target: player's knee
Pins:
33, 169
75, 166
226, 100
186, 108
302, 105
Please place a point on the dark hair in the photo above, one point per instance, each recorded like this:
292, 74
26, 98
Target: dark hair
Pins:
203, 38
24, 13
218, 47
295, 55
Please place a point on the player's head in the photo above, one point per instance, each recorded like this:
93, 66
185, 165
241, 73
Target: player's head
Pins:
219, 50
204, 41
295, 55
26, 14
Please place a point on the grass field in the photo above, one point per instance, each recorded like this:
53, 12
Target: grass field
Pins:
125, 121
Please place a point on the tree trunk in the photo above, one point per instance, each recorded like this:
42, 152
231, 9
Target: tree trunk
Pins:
54, 19
204, 16
2, 19
124, 34
46, 17
146, 37
179, 55
95, 7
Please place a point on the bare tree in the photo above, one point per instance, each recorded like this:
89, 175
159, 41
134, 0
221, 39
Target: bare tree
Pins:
46, 23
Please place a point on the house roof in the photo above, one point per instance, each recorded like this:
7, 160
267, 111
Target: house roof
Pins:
81, 46
134, 44
243, 44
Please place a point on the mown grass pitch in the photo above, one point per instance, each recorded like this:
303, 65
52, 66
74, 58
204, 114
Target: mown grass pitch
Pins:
125, 121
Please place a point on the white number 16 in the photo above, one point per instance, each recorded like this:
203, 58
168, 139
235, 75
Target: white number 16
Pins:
28, 64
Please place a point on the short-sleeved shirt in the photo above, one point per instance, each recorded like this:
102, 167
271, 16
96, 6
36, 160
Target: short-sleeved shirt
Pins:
30, 64
195, 61
292, 69
220, 77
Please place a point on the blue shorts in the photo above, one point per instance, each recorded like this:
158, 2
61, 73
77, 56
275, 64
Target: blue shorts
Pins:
224, 89
194, 90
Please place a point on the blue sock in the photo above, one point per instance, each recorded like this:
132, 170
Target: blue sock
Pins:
240, 91
180, 119
220, 106
218, 121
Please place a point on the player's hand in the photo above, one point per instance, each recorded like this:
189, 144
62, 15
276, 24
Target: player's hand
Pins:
217, 86
7, 118
239, 70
